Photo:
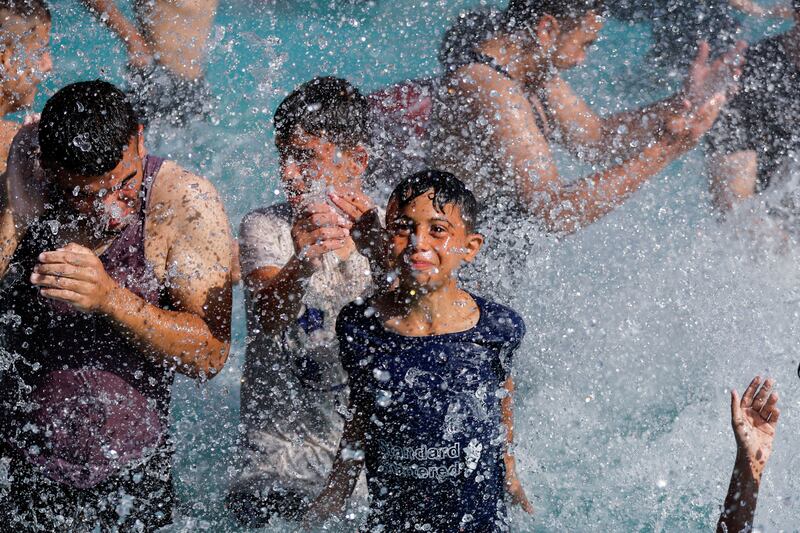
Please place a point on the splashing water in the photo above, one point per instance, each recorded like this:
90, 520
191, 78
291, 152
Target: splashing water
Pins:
637, 326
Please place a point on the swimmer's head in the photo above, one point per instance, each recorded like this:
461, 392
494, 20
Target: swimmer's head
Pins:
539, 35
560, 30
322, 134
92, 150
431, 220
24, 51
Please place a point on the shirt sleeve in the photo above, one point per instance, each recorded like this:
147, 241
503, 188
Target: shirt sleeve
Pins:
510, 346
264, 240
352, 351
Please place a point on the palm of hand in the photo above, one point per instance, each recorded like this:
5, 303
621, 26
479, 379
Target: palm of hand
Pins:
755, 434
708, 78
755, 418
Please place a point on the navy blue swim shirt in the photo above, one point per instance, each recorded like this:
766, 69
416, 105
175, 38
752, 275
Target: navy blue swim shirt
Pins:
434, 441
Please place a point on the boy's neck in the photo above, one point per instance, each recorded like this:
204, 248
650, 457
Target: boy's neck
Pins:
447, 309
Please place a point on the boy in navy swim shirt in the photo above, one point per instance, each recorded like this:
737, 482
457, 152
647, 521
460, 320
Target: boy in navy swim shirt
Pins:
429, 369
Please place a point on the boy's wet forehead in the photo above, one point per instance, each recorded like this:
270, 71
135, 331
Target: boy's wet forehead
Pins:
423, 209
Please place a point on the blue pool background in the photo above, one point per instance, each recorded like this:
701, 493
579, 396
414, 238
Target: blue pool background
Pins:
261, 50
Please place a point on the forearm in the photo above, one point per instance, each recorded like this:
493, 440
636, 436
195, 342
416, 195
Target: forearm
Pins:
279, 300
169, 337
8, 239
109, 14
344, 473
740, 503
576, 205
372, 242
624, 134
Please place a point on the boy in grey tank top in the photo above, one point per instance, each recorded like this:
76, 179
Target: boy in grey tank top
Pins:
302, 261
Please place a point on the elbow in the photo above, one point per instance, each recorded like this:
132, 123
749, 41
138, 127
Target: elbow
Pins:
208, 364
216, 361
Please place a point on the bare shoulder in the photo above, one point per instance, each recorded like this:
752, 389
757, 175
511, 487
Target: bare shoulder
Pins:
185, 219
480, 78
8, 130
179, 196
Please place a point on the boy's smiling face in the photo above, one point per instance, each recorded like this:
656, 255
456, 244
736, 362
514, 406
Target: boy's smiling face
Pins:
427, 245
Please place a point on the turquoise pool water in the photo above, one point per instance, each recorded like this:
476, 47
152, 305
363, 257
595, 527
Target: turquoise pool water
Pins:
636, 326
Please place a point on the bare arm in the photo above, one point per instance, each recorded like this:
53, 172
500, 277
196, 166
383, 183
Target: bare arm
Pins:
21, 193
591, 137
513, 484
565, 208
621, 135
752, 8
110, 15
277, 291
754, 419
732, 178
8, 233
194, 333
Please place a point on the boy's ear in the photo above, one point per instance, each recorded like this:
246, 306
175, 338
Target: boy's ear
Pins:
359, 161
473, 246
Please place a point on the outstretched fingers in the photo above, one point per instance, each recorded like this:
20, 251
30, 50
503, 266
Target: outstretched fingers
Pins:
736, 409
750, 392
768, 412
763, 395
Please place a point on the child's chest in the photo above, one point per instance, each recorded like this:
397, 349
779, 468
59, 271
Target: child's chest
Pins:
427, 389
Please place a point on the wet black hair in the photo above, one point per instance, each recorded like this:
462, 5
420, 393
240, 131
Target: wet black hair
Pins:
521, 12
324, 107
446, 190
24, 9
466, 33
84, 128
474, 27
796, 5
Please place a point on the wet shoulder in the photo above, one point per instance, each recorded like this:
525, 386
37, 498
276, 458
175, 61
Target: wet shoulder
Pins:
179, 195
479, 78
499, 324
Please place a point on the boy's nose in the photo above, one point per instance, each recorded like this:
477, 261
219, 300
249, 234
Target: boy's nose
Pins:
419, 240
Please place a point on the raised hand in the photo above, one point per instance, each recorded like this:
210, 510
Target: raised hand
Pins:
689, 124
74, 275
318, 230
754, 419
367, 231
707, 78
